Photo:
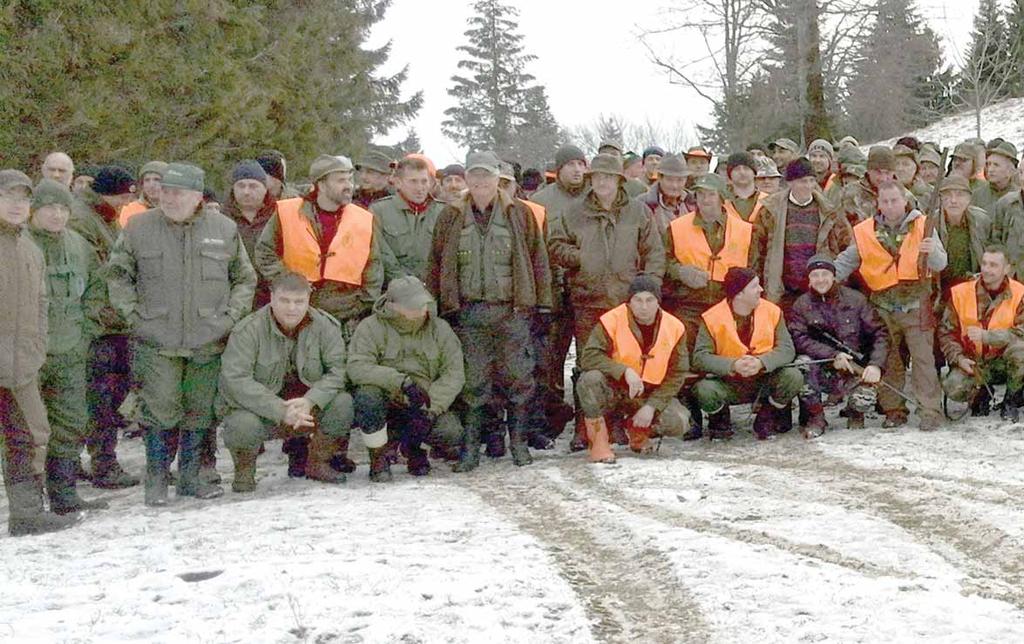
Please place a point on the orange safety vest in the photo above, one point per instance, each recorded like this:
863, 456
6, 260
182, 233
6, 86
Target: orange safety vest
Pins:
626, 349
758, 207
722, 327
347, 255
129, 210
691, 248
964, 298
881, 270
539, 213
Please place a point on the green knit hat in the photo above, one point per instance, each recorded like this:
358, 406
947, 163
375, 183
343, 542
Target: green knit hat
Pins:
50, 193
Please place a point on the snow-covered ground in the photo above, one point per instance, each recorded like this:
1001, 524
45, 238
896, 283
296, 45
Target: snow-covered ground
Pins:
1004, 119
860, 536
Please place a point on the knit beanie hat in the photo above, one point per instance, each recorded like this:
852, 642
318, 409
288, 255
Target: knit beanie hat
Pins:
737, 159
113, 180
153, 167
645, 283
653, 151
273, 164
736, 280
822, 146
798, 169
568, 153
248, 170
821, 261
49, 192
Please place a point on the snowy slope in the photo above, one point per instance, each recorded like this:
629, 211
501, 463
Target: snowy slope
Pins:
859, 536
1005, 119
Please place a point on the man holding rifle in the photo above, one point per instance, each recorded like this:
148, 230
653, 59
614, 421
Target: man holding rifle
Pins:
834, 321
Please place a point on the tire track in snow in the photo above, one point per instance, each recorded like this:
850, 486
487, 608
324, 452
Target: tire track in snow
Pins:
588, 480
630, 592
990, 559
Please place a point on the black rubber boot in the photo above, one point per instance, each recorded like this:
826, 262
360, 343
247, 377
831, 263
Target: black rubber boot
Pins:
27, 515
157, 464
469, 456
517, 441
189, 482
297, 449
60, 486
720, 424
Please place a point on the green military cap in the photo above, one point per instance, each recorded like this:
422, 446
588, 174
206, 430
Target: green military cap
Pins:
900, 150
851, 155
965, 150
609, 143
153, 167
673, 166
786, 144
183, 175
712, 181
484, 160
955, 182
325, 164
607, 164
928, 154
376, 161
1005, 149
11, 178
855, 170
50, 193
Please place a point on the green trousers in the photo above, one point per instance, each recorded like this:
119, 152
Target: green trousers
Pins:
63, 384
600, 397
176, 392
244, 430
781, 385
1007, 368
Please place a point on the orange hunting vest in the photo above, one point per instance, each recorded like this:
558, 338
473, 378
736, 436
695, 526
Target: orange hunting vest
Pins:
691, 248
349, 251
881, 270
539, 213
722, 327
129, 210
758, 207
964, 298
626, 349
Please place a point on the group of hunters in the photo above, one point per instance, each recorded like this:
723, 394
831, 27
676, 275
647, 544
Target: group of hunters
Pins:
432, 311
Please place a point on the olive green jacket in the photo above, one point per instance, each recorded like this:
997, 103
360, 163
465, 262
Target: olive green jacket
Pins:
101, 236
385, 349
1008, 229
405, 235
183, 285
259, 355
75, 291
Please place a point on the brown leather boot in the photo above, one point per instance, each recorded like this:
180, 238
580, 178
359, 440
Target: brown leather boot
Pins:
318, 465
597, 434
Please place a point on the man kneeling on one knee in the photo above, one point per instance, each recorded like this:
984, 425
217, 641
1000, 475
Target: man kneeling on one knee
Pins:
283, 376
406, 364
982, 337
634, 364
744, 347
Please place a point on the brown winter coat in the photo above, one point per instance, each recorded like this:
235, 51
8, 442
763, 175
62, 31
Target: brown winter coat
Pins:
531, 274
602, 251
23, 321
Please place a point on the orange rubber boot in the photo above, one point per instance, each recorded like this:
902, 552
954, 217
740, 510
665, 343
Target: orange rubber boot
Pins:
597, 434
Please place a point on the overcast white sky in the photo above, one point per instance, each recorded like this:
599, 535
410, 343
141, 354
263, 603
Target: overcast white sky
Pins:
588, 57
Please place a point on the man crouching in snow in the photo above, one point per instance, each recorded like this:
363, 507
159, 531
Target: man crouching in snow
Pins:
832, 321
283, 376
406, 365
634, 364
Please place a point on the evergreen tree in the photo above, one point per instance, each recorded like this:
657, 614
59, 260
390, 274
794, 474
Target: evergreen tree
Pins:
210, 81
499, 107
897, 82
1015, 29
990, 44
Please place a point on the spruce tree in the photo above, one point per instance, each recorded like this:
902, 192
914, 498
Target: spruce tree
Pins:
499, 107
897, 82
211, 82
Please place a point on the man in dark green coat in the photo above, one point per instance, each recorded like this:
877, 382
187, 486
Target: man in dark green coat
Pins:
179, 273
406, 365
283, 375
407, 220
75, 292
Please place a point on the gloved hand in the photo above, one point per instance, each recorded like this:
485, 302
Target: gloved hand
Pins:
693, 277
416, 395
